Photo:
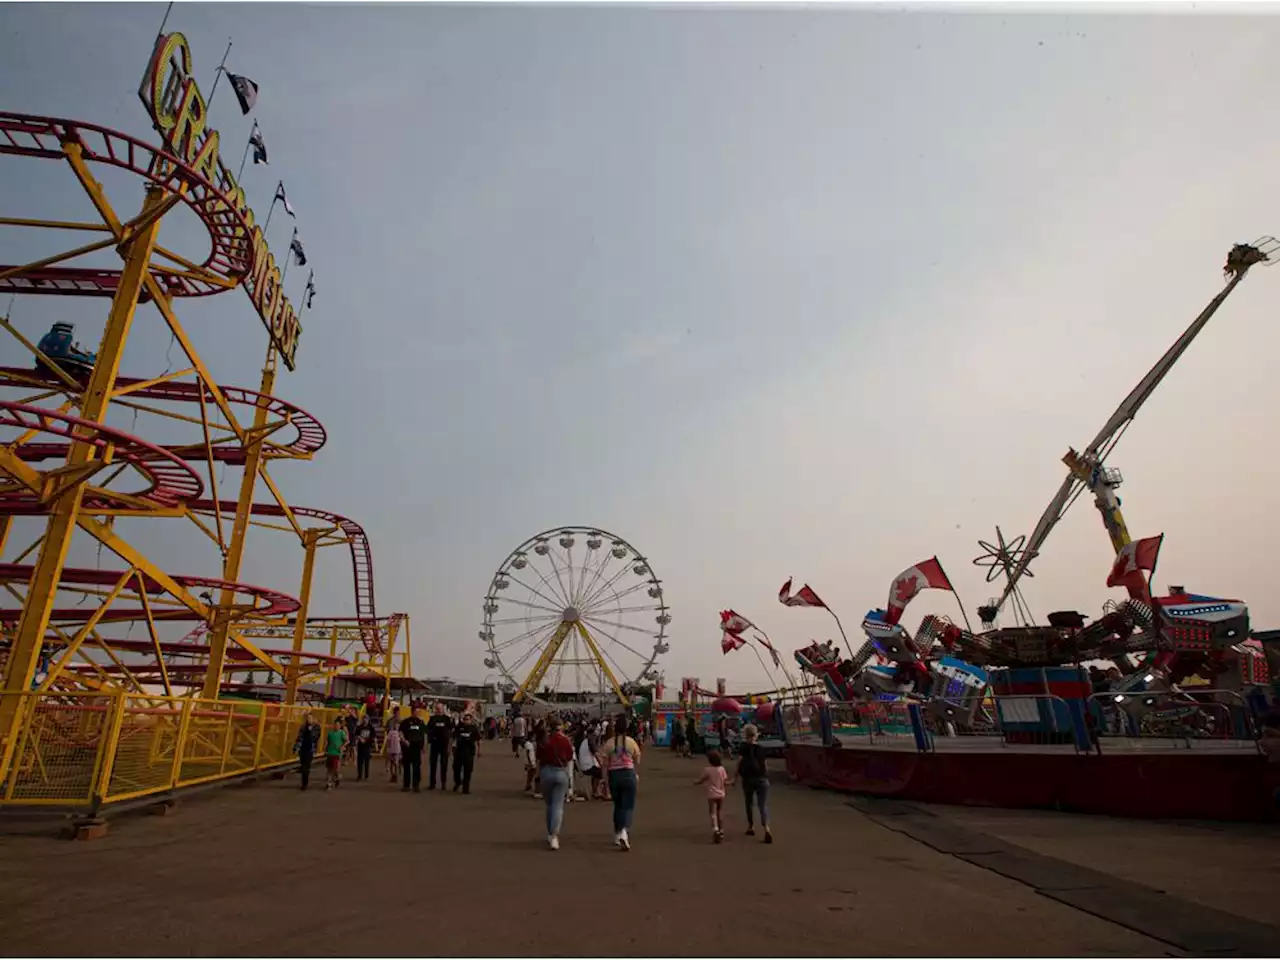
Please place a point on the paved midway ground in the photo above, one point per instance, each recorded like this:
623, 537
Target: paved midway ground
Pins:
369, 871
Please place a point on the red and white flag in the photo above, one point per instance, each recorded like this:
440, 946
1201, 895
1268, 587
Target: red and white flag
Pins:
734, 623
804, 598
925, 575
1131, 561
731, 641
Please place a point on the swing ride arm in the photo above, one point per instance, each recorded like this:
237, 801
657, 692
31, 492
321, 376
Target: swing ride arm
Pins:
1086, 468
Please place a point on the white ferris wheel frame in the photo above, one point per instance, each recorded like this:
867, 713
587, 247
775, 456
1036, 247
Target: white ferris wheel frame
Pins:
571, 614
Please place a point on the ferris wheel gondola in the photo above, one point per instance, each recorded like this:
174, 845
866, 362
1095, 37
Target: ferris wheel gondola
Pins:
575, 610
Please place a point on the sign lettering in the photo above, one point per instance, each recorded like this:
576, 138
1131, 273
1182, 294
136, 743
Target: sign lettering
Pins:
179, 114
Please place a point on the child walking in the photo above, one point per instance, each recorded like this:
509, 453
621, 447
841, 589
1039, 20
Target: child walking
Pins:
334, 746
716, 778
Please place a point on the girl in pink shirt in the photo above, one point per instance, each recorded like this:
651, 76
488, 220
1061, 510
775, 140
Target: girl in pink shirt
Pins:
716, 778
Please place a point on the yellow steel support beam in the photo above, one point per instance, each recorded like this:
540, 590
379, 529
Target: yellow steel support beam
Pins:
59, 258
153, 382
162, 302
54, 224
104, 534
544, 662
155, 640
235, 549
595, 652
279, 498
208, 451
310, 539
56, 670
24, 651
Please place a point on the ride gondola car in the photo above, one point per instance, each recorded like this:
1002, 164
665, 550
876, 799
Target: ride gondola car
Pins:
59, 346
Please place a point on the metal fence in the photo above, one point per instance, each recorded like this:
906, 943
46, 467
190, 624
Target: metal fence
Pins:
1199, 720
95, 749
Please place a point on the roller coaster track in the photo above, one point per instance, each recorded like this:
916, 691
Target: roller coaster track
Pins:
172, 482
175, 483
361, 558
276, 604
230, 256
310, 437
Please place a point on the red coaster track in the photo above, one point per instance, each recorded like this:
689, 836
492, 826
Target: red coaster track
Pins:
229, 258
172, 482
310, 437
277, 604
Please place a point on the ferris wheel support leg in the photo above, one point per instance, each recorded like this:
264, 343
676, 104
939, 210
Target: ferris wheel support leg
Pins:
311, 539
28, 638
544, 663
595, 652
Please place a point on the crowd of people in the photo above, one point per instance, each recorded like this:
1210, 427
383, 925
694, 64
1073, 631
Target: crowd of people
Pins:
567, 757
356, 735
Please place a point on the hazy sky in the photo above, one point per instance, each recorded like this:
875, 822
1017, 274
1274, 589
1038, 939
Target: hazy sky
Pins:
767, 292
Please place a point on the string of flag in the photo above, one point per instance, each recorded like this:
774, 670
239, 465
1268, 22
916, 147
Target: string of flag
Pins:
246, 92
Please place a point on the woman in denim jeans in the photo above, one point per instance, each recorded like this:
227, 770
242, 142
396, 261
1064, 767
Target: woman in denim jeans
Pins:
754, 777
555, 753
624, 756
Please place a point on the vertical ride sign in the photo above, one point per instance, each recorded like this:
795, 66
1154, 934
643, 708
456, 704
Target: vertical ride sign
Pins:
179, 115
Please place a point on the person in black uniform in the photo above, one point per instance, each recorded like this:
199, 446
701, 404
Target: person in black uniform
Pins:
439, 733
413, 731
305, 747
466, 747
364, 747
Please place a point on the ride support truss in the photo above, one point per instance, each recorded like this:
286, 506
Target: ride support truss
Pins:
65, 469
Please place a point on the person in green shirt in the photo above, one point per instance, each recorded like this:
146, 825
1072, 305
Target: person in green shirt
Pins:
335, 743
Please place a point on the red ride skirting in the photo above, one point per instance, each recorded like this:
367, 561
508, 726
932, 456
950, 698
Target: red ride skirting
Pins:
1190, 785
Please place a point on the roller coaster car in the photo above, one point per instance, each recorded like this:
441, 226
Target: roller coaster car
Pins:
59, 347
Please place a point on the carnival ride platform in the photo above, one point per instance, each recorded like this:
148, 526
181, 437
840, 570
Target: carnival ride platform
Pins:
1149, 782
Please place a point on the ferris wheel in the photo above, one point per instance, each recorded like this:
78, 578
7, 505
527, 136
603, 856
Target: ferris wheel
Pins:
575, 609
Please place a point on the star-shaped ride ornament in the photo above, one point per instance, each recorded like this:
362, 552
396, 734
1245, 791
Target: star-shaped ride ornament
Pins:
1002, 556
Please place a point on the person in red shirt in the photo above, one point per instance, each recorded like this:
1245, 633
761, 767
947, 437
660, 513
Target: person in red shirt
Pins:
555, 753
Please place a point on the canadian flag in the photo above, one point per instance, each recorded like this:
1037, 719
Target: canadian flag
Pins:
923, 576
734, 623
1133, 558
731, 641
805, 598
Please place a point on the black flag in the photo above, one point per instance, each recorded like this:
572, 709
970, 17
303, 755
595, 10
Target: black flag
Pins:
283, 199
259, 145
310, 292
295, 246
246, 91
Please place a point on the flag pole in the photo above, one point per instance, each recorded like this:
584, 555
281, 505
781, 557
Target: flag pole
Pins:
289, 259
840, 627
967, 625
167, 11
274, 201
218, 75
248, 143
767, 674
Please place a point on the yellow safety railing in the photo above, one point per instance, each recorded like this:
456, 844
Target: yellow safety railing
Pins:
95, 749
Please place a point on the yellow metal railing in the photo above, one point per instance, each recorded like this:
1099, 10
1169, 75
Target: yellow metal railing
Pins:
94, 749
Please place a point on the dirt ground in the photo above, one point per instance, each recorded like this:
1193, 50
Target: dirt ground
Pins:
1227, 866
367, 870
